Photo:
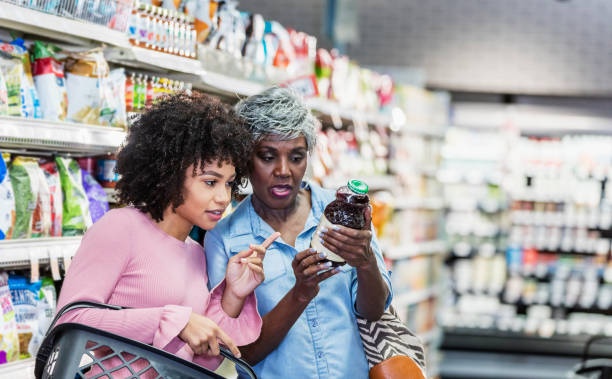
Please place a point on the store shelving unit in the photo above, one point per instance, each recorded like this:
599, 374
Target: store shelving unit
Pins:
70, 138
23, 369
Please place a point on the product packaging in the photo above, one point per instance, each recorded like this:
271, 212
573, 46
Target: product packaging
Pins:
30, 104
25, 188
7, 200
98, 201
52, 178
49, 79
9, 341
25, 302
86, 82
76, 216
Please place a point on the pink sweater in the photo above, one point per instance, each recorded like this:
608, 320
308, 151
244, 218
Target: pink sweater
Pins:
125, 259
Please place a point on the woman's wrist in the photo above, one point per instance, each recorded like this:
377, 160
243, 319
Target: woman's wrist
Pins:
231, 302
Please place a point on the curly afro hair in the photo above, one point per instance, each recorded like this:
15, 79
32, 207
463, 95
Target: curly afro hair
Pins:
180, 131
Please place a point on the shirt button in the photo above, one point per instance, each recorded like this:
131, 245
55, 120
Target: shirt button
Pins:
320, 354
315, 324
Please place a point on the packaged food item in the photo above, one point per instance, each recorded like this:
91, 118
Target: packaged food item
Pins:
25, 188
106, 174
86, 79
41, 218
205, 11
76, 217
114, 109
3, 96
47, 301
30, 105
52, 178
349, 209
49, 80
9, 341
25, 302
7, 200
98, 201
12, 69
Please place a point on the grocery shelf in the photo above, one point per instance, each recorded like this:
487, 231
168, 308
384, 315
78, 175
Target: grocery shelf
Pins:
513, 342
64, 136
61, 28
154, 60
426, 203
409, 297
21, 369
335, 110
415, 249
21, 252
228, 86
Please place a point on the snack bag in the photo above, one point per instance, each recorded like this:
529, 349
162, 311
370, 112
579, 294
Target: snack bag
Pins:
3, 96
86, 75
47, 301
76, 217
48, 75
9, 342
30, 106
98, 201
25, 302
12, 69
7, 200
113, 108
52, 178
41, 218
26, 196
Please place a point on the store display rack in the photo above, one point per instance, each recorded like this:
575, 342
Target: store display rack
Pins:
71, 138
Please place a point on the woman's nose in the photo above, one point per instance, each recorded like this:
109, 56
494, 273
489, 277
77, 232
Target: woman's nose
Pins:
282, 168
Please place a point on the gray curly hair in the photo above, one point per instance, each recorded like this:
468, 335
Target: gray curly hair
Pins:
278, 111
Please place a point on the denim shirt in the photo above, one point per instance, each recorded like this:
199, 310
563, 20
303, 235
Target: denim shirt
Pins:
324, 342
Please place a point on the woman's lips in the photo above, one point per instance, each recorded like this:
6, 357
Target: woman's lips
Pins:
280, 191
215, 215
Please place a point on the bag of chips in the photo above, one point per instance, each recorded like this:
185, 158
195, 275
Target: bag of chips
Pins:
76, 217
98, 201
48, 75
113, 107
86, 79
7, 200
55, 188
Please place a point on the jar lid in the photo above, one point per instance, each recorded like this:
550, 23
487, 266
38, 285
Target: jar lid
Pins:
358, 186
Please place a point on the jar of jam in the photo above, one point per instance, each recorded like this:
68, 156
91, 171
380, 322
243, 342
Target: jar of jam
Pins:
349, 209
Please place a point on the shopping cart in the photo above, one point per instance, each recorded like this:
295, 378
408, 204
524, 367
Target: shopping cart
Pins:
73, 350
592, 368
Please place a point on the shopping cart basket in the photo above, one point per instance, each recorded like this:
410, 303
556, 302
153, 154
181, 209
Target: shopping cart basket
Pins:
71, 350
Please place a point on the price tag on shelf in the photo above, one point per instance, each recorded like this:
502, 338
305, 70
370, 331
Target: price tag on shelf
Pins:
54, 254
36, 254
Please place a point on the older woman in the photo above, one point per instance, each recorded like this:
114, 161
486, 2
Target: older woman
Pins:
309, 327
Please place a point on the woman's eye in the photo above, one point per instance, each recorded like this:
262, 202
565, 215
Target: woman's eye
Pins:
210, 183
266, 158
231, 184
297, 158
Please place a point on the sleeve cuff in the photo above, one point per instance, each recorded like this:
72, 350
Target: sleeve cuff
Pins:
173, 320
245, 328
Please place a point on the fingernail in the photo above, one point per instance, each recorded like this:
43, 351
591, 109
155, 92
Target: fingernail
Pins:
244, 260
322, 242
322, 255
323, 230
327, 264
336, 270
336, 227
312, 250
321, 233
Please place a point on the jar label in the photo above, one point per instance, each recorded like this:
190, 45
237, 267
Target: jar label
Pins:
316, 241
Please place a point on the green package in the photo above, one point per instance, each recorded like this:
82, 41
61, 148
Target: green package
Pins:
25, 198
76, 205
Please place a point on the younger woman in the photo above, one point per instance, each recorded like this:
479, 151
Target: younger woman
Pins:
182, 160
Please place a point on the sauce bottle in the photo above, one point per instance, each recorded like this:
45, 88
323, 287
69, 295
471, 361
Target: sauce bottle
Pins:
349, 209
